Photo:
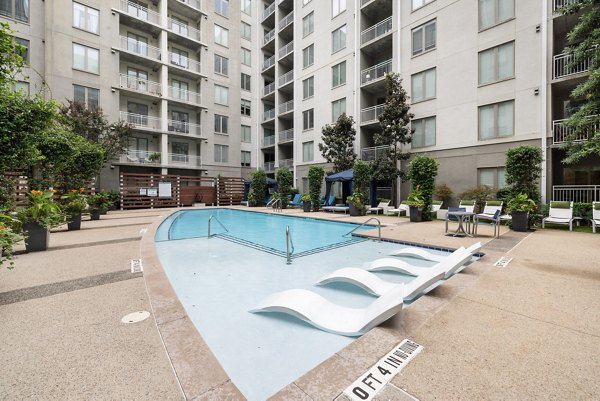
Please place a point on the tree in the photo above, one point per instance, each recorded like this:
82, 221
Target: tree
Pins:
258, 188
422, 172
395, 132
523, 170
315, 181
585, 123
284, 179
11, 62
338, 143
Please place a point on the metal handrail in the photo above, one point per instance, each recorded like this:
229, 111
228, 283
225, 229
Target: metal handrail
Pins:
288, 243
218, 221
372, 218
277, 205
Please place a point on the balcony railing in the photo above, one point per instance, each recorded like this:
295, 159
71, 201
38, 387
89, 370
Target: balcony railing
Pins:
286, 136
140, 157
140, 48
183, 29
140, 120
286, 78
576, 193
269, 115
560, 3
370, 154
185, 95
269, 167
363, 2
184, 127
140, 12
376, 31
286, 163
560, 133
562, 68
285, 21
139, 85
267, 90
268, 141
186, 160
193, 3
269, 36
268, 63
184, 62
268, 11
371, 114
286, 107
285, 50
376, 72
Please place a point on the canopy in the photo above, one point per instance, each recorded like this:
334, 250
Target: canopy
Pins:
346, 175
271, 184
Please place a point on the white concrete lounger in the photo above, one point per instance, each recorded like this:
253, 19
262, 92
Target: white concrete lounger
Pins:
396, 265
325, 315
421, 253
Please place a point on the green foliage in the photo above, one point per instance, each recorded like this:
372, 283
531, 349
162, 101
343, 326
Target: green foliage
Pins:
586, 121
42, 209
9, 236
100, 201
504, 194
422, 171
361, 176
11, 63
305, 197
521, 203
285, 180
74, 201
443, 192
583, 210
523, 170
258, 188
315, 181
416, 198
479, 194
7, 196
560, 205
338, 143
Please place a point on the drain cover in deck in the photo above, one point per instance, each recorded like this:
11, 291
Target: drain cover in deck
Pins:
136, 317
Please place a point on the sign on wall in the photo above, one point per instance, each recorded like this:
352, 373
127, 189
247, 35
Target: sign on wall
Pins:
164, 189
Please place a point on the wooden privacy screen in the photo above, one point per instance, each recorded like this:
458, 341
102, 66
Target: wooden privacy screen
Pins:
231, 191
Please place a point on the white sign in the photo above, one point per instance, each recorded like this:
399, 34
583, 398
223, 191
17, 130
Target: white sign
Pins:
164, 189
152, 191
375, 379
143, 191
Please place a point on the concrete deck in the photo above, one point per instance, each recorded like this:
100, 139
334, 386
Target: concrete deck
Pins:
530, 330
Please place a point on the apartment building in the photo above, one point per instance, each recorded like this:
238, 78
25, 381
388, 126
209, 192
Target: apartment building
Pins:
217, 87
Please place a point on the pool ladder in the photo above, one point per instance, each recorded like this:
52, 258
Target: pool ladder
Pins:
365, 223
288, 243
277, 206
218, 221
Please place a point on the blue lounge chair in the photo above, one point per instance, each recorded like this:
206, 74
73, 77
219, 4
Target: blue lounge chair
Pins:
296, 201
329, 202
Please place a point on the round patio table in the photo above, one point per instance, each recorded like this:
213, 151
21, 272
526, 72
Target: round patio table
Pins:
462, 218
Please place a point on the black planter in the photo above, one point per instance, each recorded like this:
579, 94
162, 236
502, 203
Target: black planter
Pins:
355, 210
95, 214
37, 237
74, 222
307, 206
416, 214
520, 221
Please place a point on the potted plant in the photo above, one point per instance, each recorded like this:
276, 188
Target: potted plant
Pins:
306, 203
519, 208
98, 203
154, 157
37, 219
357, 204
9, 236
416, 203
74, 203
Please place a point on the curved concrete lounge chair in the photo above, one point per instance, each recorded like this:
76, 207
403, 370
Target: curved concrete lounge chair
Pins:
421, 253
325, 315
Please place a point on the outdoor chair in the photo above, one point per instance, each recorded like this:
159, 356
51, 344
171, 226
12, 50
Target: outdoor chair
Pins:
296, 201
469, 205
450, 217
493, 220
403, 207
382, 207
595, 215
330, 201
421, 253
336, 208
560, 213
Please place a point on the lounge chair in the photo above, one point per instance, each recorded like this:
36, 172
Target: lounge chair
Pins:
469, 205
325, 315
296, 201
493, 220
421, 253
338, 208
595, 215
560, 213
403, 207
329, 202
436, 205
381, 207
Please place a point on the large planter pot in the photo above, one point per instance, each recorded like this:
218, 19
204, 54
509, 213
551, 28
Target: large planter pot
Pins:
416, 214
74, 222
95, 214
520, 221
307, 206
37, 237
355, 210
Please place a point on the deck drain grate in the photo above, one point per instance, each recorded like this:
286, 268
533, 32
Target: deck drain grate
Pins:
135, 317
502, 262
136, 266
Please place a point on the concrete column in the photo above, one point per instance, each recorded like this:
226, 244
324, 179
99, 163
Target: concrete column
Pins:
164, 149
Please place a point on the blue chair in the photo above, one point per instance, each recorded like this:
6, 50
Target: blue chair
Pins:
489, 220
450, 217
330, 201
296, 201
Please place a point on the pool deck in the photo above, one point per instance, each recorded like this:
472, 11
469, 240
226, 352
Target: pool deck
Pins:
530, 330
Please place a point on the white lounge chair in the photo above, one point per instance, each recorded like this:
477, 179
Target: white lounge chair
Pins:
403, 207
595, 215
469, 205
421, 253
396, 265
381, 207
325, 315
560, 213
334, 209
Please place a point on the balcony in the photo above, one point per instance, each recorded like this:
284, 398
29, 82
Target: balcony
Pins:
286, 78
268, 63
184, 30
184, 96
563, 69
376, 72
286, 107
141, 49
560, 133
286, 136
138, 85
140, 157
377, 31
576, 193
269, 36
286, 21
139, 12
269, 115
195, 4
140, 121
267, 12
268, 141
285, 50
371, 115
184, 128
269, 167
185, 63
364, 2
370, 154
184, 160
561, 3
269, 89
286, 163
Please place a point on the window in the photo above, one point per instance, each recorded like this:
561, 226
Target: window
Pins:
222, 7
246, 31
137, 114
308, 24
308, 151
494, 12
308, 119
87, 96
246, 57
423, 38
246, 7
424, 134
221, 65
308, 56
180, 151
308, 87
221, 95
493, 177
137, 145
179, 57
180, 90
497, 63
221, 153
221, 36
420, 3
337, 6
85, 58
245, 107
179, 122
246, 157
137, 79
423, 86
338, 39
245, 133
337, 108
221, 123
17, 9
245, 82
179, 26
21, 86
338, 74
86, 18
24, 53
496, 120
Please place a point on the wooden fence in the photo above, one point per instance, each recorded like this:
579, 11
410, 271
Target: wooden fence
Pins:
230, 191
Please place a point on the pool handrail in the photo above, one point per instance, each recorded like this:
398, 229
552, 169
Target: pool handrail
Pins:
372, 218
218, 221
288, 242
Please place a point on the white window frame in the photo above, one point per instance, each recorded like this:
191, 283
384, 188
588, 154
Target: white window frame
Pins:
246, 158
246, 57
308, 156
494, 171
221, 36
86, 18
245, 134
308, 88
308, 53
423, 29
87, 96
336, 38
495, 107
341, 77
221, 65
308, 119
496, 18
245, 107
308, 24
246, 7
246, 82
495, 51
246, 31
86, 64
221, 125
425, 84
338, 104
221, 95
222, 8
337, 7
221, 153
421, 123
13, 13
420, 3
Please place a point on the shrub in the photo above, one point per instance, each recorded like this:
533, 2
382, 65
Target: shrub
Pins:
258, 188
284, 184
444, 193
315, 179
523, 170
480, 194
583, 210
422, 171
